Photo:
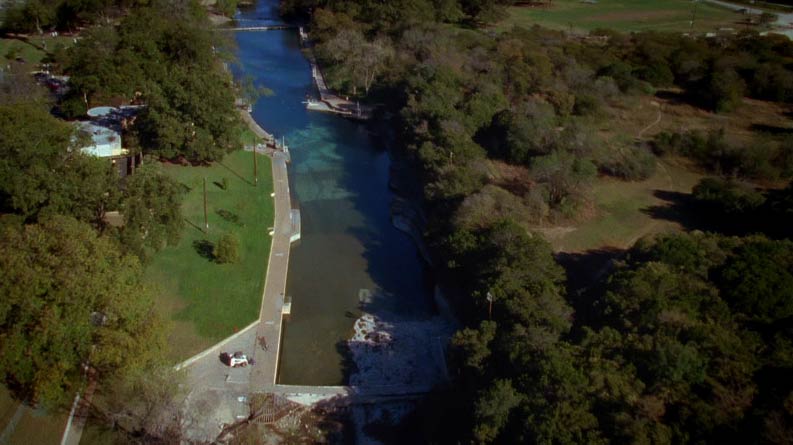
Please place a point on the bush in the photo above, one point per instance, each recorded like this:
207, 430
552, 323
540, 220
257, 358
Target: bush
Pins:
586, 105
630, 163
728, 196
227, 249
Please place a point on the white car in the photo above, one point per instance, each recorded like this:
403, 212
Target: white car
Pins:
236, 360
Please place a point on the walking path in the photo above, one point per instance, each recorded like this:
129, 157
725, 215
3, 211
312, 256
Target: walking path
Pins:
329, 102
263, 375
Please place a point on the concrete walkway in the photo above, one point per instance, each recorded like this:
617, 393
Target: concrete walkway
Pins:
268, 331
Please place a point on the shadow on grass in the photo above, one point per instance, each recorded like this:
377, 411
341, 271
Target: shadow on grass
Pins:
235, 173
587, 275
683, 209
772, 129
205, 248
229, 216
194, 225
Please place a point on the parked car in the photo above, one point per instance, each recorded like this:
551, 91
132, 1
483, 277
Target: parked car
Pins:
236, 360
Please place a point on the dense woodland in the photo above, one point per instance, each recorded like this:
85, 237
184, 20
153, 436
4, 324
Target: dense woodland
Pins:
687, 339
72, 301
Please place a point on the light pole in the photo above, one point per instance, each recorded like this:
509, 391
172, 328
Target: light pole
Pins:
490, 299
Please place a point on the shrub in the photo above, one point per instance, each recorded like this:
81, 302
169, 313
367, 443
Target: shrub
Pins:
586, 105
728, 196
227, 249
630, 163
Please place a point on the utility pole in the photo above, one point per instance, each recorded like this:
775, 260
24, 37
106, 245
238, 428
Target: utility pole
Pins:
694, 16
490, 299
206, 220
255, 170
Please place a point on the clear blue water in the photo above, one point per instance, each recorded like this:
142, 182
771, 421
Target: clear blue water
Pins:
350, 257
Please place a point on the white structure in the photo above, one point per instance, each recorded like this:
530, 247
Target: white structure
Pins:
104, 142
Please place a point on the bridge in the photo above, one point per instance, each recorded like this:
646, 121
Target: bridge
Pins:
258, 28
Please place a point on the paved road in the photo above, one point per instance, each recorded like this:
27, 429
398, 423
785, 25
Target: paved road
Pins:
784, 20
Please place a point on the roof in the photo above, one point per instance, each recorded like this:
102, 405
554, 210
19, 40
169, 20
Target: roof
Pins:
105, 142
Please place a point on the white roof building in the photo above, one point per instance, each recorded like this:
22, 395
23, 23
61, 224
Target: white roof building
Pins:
104, 141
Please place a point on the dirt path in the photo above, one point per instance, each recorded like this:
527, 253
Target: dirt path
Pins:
656, 122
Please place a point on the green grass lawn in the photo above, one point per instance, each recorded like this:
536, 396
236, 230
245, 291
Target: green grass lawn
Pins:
624, 15
621, 210
33, 50
204, 300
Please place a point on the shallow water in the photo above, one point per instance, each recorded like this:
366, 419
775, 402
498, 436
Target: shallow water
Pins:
350, 258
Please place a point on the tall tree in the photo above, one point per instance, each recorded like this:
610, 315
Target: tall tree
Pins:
152, 211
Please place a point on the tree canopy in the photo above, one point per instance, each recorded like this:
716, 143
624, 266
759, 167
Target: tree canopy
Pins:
41, 171
81, 298
164, 56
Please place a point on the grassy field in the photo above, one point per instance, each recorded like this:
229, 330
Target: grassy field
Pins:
622, 211
207, 301
33, 49
624, 15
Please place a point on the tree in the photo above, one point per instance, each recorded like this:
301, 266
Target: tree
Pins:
725, 90
42, 173
493, 409
757, 281
69, 299
227, 249
359, 60
164, 55
729, 197
152, 212
473, 345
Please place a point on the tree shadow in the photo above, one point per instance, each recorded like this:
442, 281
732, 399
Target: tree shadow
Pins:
588, 268
205, 248
194, 225
235, 173
683, 209
587, 276
772, 129
229, 216
348, 366
673, 97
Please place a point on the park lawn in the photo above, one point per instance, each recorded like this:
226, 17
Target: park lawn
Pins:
624, 15
622, 210
206, 301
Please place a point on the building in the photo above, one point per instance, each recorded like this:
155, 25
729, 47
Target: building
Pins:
101, 137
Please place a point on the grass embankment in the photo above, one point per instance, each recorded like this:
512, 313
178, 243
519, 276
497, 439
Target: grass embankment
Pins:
31, 49
205, 300
625, 15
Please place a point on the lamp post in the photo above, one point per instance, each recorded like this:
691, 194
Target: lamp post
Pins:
490, 299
